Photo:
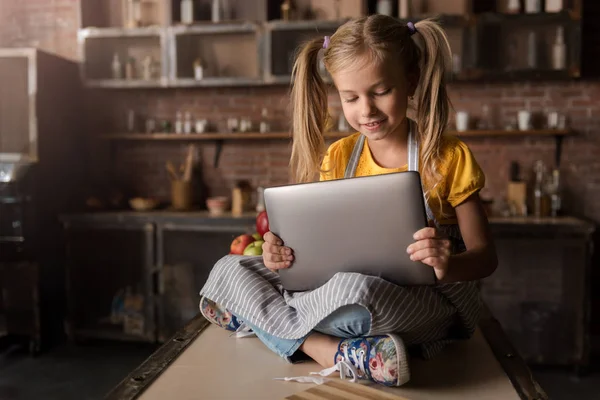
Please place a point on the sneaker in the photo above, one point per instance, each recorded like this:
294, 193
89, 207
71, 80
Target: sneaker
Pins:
381, 359
218, 315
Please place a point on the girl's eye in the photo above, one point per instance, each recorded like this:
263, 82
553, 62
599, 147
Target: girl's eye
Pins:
383, 93
350, 100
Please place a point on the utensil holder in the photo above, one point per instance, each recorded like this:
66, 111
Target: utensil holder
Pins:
181, 195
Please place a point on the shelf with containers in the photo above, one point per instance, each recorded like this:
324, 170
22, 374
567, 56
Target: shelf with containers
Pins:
281, 42
215, 54
507, 47
124, 57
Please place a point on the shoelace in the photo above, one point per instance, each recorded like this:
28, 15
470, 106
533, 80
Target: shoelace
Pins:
346, 367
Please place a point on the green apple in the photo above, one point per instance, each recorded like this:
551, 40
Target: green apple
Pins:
254, 248
257, 236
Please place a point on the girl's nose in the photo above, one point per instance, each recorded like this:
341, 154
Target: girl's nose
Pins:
368, 108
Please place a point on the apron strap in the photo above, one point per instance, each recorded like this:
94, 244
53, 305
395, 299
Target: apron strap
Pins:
353, 162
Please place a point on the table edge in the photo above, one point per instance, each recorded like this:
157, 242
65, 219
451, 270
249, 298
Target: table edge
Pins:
146, 373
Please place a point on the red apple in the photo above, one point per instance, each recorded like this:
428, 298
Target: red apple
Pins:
240, 243
262, 223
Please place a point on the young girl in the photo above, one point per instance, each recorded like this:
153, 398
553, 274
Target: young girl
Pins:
362, 325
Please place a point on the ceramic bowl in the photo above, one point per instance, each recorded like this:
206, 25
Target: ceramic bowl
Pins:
143, 204
217, 205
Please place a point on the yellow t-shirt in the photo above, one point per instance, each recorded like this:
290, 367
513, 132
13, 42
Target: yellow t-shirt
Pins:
461, 175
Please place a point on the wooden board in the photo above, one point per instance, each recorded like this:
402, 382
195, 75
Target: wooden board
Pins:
203, 362
335, 390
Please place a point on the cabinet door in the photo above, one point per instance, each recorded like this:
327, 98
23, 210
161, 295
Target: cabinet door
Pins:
538, 294
188, 256
103, 261
15, 105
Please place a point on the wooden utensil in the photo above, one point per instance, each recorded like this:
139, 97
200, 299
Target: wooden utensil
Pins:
336, 389
172, 171
189, 160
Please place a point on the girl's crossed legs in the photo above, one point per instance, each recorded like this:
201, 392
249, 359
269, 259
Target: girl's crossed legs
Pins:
337, 342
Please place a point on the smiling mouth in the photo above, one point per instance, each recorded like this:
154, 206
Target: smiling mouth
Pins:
374, 124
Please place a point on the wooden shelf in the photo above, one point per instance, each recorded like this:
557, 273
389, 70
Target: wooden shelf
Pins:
199, 136
216, 82
200, 28
125, 83
117, 32
502, 132
330, 135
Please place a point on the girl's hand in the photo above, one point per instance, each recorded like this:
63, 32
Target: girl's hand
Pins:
431, 248
275, 255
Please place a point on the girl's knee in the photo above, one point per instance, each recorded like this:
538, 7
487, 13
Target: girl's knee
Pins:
352, 320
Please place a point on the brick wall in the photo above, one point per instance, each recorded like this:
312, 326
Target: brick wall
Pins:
141, 164
50, 25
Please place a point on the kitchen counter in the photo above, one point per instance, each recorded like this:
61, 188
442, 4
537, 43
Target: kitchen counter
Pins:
200, 217
204, 218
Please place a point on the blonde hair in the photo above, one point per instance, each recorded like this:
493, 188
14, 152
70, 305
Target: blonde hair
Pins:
424, 55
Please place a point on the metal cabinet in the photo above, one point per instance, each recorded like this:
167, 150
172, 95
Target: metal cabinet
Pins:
104, 260
166, 258
540, 291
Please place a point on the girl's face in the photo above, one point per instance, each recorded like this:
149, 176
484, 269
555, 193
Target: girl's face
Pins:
374, 97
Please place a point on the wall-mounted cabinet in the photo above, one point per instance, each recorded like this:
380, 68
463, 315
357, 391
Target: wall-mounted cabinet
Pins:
527, 46
215, 54
119, 57
254, 43
282, 40
125, 13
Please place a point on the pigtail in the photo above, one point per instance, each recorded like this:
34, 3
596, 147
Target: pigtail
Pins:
309, 113
433, 103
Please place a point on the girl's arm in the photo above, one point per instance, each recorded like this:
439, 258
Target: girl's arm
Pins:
477, 262
480, 259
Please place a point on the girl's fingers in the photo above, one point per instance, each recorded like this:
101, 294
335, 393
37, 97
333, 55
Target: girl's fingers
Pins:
421, 255
274, 266
428, 243
274, 249
269, 237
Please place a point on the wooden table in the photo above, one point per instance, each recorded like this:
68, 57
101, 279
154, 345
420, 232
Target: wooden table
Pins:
205, 362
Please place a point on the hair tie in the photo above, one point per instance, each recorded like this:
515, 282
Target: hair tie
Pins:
326, 40
411, 28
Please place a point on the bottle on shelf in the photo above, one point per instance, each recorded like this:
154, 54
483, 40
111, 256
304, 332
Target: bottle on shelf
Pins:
116, 67
559, 50
513, 7
533, 6
260, 199
198, 69
217, 11
132, 13
148, 68
541, 205
554, 6
264, 122
404, 9
286, 10
385, 7
178, 122
187, 12
187, 123
130, 68
555, 197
